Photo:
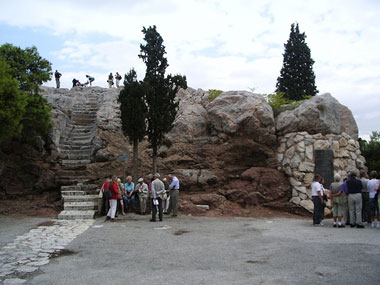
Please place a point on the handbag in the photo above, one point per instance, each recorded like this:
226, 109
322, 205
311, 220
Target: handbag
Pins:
108, 193
165, 196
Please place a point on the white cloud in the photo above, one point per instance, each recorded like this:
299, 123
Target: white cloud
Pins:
220, 44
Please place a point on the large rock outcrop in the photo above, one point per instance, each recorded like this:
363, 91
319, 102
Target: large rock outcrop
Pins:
320, 114
228, 152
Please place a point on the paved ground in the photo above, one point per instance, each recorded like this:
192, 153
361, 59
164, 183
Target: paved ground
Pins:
199, 250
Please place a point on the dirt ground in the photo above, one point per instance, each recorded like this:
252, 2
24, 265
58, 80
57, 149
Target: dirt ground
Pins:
41, 207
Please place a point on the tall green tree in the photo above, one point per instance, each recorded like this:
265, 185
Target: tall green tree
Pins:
30, 70
133, 113
27, 66
12, 104
371, 151
297, 78
160, 91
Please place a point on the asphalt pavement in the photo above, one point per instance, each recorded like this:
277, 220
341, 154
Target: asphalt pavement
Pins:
200, 250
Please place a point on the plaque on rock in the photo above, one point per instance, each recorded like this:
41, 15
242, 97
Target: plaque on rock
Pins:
324, 165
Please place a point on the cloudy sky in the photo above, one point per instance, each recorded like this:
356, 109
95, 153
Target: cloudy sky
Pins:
227, 45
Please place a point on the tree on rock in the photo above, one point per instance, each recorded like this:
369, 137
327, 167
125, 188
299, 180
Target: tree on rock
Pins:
12, 104
30, 70
297, 79
133, 113
160, 91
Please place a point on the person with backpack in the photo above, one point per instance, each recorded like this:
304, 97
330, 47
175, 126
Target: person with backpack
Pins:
57, 76
118, 78
112, 187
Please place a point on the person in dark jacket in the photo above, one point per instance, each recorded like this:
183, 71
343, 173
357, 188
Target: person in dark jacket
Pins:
57, 76
354, 188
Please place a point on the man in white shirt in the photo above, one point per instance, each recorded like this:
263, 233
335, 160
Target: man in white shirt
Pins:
317, 197
174, 193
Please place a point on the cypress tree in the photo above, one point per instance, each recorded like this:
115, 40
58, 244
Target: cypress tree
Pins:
133, 113
297, 78
160, 91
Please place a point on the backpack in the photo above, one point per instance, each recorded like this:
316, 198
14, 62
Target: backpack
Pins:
108, 193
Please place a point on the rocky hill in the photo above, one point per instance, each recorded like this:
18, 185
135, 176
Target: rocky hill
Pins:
230, 153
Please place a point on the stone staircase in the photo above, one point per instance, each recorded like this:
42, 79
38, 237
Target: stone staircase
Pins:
80, 202
76, 145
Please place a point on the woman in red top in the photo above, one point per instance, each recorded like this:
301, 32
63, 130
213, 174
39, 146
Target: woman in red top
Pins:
113, 200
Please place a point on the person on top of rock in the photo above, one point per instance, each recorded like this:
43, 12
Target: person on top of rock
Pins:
110, 80
337, 201
174, 193
113, 200
354, 187
318, 201
90, 79
75, 82
129, 197
57, 76
158, 189
373, 187
118, 78
142, 191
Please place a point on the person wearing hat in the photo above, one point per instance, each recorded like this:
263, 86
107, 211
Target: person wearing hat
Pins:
158, 188
120, 204
142, 191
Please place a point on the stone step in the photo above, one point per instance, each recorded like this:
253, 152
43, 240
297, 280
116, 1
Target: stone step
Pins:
69, 172
76, 151
81, 198
78, 157
65, 193
82, 136
77, 142
80, 206
79, 131
71, 188
84, 112
70, 181
74, 147
74, 126
84, 122
79, 167
75, 215
75, 162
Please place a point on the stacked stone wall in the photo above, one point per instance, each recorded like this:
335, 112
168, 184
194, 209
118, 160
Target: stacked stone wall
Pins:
296, 155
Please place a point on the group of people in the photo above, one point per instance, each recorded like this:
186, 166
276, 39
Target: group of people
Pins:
117, 78
162, 194
89, 81
354, 201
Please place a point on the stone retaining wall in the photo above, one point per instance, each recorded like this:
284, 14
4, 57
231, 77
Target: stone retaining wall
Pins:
296, 156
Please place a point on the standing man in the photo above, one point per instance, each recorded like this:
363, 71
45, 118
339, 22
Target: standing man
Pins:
57, 76
354, 187
158, 188
366, 213
142, 190
174, 193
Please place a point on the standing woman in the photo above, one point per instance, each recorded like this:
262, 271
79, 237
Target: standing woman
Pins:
317, 196
120, 187
337, 200
113, 200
